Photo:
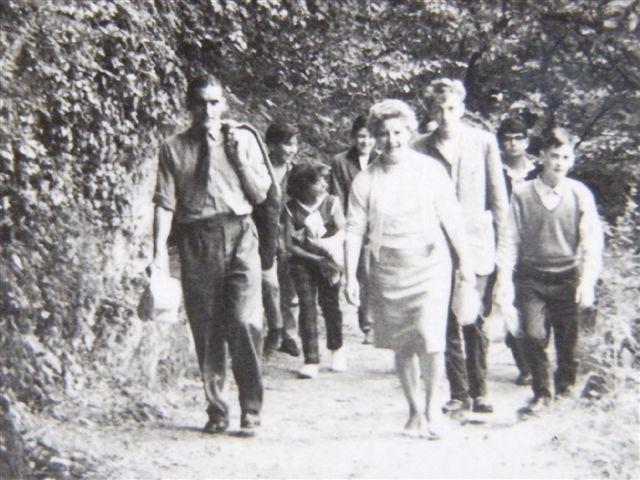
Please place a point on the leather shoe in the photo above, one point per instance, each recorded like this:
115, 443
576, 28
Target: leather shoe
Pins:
216, 425
249, 421
368, 338
480, 405
523, 379
271, 342
289, 346
535, 406
454, 406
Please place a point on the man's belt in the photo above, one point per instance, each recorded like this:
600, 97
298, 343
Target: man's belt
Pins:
523, 271
213, 221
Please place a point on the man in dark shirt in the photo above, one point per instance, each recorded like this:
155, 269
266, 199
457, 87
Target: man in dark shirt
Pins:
209, 178
344, 168
278, 294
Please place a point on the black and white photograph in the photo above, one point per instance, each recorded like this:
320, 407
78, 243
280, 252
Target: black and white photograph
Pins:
319, 239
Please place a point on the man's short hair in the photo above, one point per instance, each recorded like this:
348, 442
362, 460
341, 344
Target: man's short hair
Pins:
279, 132
358, 124
512, 126
444, 88
556, 137
197, 83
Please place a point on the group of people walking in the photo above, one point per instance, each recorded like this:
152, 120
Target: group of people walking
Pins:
417, 230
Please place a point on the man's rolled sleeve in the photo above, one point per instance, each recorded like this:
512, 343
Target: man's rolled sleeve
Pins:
165, 194
254, 173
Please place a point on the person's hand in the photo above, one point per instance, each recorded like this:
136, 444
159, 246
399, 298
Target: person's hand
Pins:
352, 291
466, 273
503, 291
585, 295
160, 262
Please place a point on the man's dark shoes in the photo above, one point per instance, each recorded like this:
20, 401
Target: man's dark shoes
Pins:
563, 393
289, 346
216, 425
523, 379
535, 406
271, 342
455, 406
480, 405
249, 421
368, 338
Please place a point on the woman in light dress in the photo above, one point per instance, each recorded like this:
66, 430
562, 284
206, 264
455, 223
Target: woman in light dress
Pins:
401, 207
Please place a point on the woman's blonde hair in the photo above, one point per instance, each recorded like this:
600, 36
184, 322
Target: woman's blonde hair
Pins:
391, 108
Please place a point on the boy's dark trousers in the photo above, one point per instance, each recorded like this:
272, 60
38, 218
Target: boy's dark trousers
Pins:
467, 376
547, 300
516, 345
311, 285
364, 319
278, 296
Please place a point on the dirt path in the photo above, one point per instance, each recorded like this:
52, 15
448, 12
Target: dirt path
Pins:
345, 425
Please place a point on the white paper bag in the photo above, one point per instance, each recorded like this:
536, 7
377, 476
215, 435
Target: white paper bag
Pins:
507, 315
161, 299
465, 301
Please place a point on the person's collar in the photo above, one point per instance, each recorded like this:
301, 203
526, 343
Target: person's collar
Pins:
542, 188
312, 208
200, 132
529, 166
353, 154
439, 135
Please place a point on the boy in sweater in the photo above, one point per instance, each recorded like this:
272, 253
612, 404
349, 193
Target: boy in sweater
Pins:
554, 246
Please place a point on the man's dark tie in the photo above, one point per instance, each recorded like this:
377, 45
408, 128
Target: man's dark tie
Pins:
202, 169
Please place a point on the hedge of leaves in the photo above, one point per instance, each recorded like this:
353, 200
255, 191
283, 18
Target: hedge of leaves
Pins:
86, 88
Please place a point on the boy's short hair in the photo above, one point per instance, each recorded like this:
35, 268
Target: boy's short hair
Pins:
512, 126
197, 83
303, 175
358, 124
556, 137
443, 88
279, 132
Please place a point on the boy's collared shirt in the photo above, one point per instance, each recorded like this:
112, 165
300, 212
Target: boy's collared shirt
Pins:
589, 232
550, 196
515, 177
